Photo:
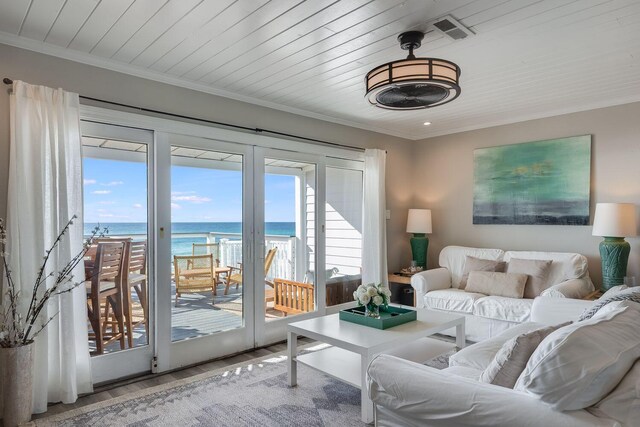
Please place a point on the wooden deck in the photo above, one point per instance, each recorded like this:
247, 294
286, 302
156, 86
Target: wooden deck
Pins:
195, 315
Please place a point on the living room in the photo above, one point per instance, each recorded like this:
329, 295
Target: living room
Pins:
269, 99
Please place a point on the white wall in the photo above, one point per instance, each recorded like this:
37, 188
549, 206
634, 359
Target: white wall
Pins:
344, 220
90, 81
444, 182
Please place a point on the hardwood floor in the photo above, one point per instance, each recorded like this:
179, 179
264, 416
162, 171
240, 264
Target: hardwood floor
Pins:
120, 388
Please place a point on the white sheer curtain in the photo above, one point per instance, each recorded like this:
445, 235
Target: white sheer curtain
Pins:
374, 235
45, 191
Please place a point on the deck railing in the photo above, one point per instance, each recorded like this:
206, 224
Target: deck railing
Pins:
283, 266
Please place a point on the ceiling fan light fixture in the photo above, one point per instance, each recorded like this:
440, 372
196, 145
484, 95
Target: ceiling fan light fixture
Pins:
413, 83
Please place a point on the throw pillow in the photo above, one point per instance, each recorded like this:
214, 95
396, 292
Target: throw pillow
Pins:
512, 358
537, 271
495, 283
623, 403
630, 294
478, 264
613, 291
579, 364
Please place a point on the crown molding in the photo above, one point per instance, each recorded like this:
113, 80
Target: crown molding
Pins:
529, 117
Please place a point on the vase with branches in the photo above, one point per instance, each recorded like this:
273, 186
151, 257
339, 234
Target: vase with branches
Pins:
21, 323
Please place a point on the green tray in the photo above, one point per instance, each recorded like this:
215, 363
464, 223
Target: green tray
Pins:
386, 320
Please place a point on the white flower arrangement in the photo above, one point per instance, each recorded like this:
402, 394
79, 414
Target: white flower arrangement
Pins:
372, 296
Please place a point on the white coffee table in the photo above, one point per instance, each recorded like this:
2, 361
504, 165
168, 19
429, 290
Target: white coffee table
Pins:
354, 346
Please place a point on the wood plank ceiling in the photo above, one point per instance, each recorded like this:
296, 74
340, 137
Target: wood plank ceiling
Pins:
527, 59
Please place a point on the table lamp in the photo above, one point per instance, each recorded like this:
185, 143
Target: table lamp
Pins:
614, 222
419, 223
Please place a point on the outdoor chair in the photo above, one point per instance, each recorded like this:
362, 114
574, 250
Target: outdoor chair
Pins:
236, 278
104, 289
221, 273
134, 277
194, 273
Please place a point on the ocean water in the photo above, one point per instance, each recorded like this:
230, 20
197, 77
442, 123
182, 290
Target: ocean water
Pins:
182, 245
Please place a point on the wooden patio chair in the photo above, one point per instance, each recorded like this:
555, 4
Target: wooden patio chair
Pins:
207, 249
104, 289
134, 277
221, 273
293, 297
269, 295
194, 273
236, 278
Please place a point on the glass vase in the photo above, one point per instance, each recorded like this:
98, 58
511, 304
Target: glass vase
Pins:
372, 310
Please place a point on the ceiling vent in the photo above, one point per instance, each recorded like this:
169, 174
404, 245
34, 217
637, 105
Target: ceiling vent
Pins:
451, 28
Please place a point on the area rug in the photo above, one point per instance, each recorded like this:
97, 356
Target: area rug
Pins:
252, 393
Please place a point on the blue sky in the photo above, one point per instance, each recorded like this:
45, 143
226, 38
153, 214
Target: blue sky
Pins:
115, 191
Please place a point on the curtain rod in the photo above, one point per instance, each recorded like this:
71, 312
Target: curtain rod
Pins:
8, 81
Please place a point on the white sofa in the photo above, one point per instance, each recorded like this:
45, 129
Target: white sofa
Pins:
487, 316
410, 394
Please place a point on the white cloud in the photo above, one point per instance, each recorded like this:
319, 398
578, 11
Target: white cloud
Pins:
101, 192
89, 181
106, 215
137, 205
193, 199
175, 206
178, 193
112, 183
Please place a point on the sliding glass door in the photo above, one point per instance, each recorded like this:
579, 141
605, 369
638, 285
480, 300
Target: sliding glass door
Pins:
118, 203
207, 250
289, 269
225, 238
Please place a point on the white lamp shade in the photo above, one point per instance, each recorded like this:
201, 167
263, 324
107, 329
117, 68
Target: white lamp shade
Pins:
615, 220
419, 221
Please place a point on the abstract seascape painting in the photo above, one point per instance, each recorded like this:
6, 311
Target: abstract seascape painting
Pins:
542, 182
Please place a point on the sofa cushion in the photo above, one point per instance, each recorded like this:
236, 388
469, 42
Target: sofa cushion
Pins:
463, 371
503, 308
478, 264
452, 300
564, 265
536, 270
496, 283
578, 365
512, 358
479, 355
623, 403
452, 258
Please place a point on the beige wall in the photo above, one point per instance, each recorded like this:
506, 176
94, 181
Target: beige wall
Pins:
95, 82
444, 182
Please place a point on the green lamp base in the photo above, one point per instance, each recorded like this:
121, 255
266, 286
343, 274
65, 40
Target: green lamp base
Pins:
614, 252
419, 245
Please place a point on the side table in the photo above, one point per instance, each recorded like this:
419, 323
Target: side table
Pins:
397, 279
593, 295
